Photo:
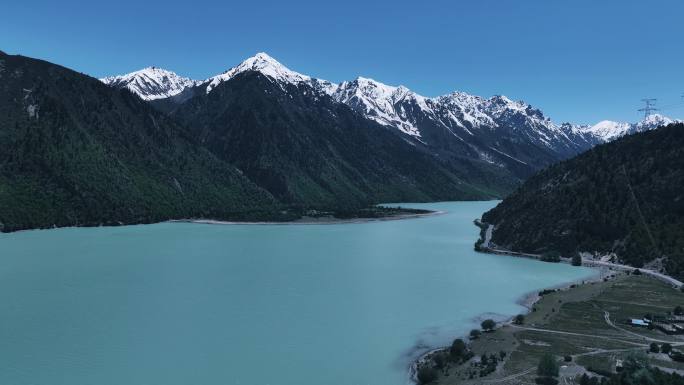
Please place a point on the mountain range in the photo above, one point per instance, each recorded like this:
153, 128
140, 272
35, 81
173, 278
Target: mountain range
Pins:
511, 135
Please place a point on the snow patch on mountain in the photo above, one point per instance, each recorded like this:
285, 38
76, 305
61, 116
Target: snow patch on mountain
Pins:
608, 130
271, 68
382, 103
151, 83
654, 121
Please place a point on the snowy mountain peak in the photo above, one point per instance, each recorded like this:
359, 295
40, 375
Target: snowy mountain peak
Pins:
151, 83
607, 130
374, 89
654, 121
387, 105
263, 63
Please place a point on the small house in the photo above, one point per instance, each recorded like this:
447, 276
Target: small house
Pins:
639, 322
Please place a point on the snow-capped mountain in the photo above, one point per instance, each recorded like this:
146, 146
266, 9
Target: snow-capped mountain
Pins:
270, 67
608, 130
381, 103
489, 126
151, 83
496, 130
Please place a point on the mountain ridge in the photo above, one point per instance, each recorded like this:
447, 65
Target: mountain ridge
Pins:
511, 135
476, 110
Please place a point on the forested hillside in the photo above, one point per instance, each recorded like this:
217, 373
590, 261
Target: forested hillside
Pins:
76, 152
625, 197
308, 150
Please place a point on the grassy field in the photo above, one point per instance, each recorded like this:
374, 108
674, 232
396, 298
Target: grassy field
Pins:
588, 323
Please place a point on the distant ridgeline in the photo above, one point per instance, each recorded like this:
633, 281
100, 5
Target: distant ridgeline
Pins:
625, 197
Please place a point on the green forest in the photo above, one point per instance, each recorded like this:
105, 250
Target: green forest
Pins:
625, 197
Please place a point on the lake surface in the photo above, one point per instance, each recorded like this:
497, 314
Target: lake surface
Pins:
195, 304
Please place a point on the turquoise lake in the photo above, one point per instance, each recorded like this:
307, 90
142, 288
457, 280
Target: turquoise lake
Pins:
198, 304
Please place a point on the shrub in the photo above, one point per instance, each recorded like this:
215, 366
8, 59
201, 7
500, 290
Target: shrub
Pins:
475, 334
519, 319
426, 375
488, 325
548, 367
550, 257
576, 260
458, 349
666, 348
636, 272
654, 348
478, 244
567, 358
439, 359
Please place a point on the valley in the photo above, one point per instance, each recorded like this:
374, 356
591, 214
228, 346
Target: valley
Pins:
341, 192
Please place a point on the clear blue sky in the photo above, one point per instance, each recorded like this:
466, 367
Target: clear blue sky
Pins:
579, 60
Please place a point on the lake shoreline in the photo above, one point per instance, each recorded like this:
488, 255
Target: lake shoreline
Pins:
313, 220
529, 300
526, 300
304, 220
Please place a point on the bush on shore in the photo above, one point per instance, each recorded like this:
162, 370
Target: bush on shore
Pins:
550, 257
576, 260
488, 325
458, 349
426, 375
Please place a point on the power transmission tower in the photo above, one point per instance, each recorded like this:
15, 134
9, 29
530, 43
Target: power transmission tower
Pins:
649, 108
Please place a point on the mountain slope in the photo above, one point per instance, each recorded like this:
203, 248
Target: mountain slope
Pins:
293, 140
76, 152
624, 197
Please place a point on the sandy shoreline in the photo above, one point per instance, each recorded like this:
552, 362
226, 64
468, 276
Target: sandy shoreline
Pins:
313, 221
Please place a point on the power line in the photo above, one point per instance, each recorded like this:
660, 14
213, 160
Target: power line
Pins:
649, 109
